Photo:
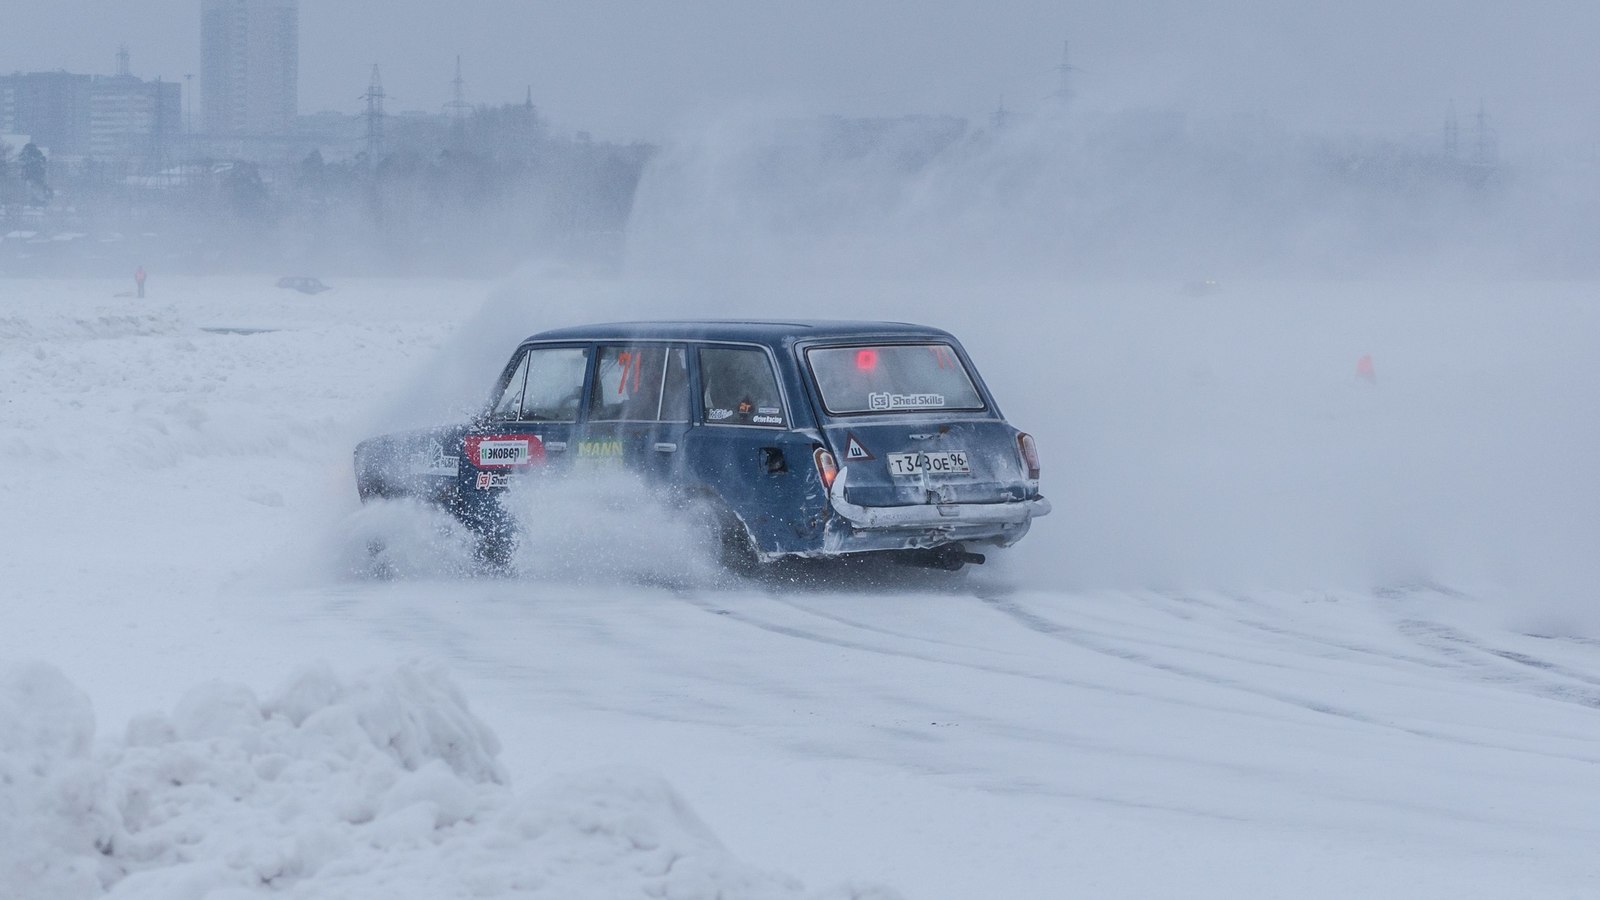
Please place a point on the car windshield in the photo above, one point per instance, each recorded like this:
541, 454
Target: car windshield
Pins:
884, 378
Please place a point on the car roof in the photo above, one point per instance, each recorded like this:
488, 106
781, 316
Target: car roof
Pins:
764, 331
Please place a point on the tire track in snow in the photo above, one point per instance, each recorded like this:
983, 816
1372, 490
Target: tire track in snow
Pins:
809, 635
805, 634
1084, 640
1471, 655
878, 629
1059, 739
1273, 628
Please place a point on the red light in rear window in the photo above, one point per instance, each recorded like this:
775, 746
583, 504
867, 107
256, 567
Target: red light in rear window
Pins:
866, 360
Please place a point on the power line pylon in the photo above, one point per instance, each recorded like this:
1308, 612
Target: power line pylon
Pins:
1452, 133
374, 97
1001, 117
1064, 92
458, 107
1487, 149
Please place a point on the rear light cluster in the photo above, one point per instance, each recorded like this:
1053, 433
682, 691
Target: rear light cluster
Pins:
1030, 454
827, 466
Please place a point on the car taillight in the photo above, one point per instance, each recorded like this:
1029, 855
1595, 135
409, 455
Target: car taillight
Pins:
827, 467
1030, 454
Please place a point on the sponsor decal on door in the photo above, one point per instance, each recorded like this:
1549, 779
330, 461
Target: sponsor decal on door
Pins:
489, 480
882, 401
504, 451
434, 461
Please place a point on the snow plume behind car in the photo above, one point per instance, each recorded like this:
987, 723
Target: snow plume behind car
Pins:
1221, 440
606, 525
1230, 442
603, 526
1225, 440
404, 538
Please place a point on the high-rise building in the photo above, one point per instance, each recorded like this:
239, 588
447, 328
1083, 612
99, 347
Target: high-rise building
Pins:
249, 66
130, 118
8, 105
51, 107
102, 116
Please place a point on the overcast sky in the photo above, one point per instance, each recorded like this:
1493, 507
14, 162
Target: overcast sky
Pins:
640, 68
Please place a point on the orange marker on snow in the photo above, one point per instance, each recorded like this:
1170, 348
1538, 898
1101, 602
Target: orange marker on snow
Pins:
1364, 369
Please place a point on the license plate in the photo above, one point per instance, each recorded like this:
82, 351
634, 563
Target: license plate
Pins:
945, 462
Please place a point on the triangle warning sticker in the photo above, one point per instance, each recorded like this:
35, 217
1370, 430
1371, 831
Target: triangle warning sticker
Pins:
854, 450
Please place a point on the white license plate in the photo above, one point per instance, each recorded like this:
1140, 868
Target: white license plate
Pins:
945, 462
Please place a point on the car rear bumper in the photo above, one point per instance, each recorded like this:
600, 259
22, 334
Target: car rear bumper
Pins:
932, 516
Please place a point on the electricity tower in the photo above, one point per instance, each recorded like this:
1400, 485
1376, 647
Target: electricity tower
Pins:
1064, 91
1452, 133
458, 107
374, 98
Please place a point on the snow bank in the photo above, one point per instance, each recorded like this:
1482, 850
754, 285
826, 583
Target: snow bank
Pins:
386, 786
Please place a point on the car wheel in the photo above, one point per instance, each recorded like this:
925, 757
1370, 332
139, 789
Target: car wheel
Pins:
735, 549
495, 536
496, 548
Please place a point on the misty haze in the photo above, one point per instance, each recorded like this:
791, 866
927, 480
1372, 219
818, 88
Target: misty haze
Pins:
1300, 306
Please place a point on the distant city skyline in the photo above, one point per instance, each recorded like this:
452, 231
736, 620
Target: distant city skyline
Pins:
642, 68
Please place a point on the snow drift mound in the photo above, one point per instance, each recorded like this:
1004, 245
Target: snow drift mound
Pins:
383, 787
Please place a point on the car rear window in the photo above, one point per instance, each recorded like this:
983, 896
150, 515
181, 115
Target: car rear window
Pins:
888, 378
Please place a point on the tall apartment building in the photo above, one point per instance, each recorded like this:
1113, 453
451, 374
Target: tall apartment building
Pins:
249, 66
8, 105
50, 107
130, 118
99, 116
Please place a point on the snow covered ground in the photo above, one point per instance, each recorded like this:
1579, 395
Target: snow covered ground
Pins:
1289, 633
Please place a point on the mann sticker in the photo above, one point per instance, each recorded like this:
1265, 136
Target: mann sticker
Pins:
599, 449
853, 449
434, 461
491, 480
504, 451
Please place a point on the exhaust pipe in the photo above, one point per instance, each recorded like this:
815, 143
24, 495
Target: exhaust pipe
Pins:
950, 558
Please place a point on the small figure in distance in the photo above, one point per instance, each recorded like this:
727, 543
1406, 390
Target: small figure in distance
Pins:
138, 279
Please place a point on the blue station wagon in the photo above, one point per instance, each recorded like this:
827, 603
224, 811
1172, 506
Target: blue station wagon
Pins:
802, 439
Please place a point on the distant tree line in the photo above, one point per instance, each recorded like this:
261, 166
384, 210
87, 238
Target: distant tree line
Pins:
476, 194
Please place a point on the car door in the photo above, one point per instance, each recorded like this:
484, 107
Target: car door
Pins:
530, 425
744, 452
638, 410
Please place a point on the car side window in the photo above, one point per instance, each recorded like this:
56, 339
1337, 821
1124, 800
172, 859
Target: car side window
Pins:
510, 402
740, 388
555, 384
646, 383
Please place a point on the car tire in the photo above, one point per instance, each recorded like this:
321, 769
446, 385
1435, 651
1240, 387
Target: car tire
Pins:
494, 534
734, 547
497, 548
